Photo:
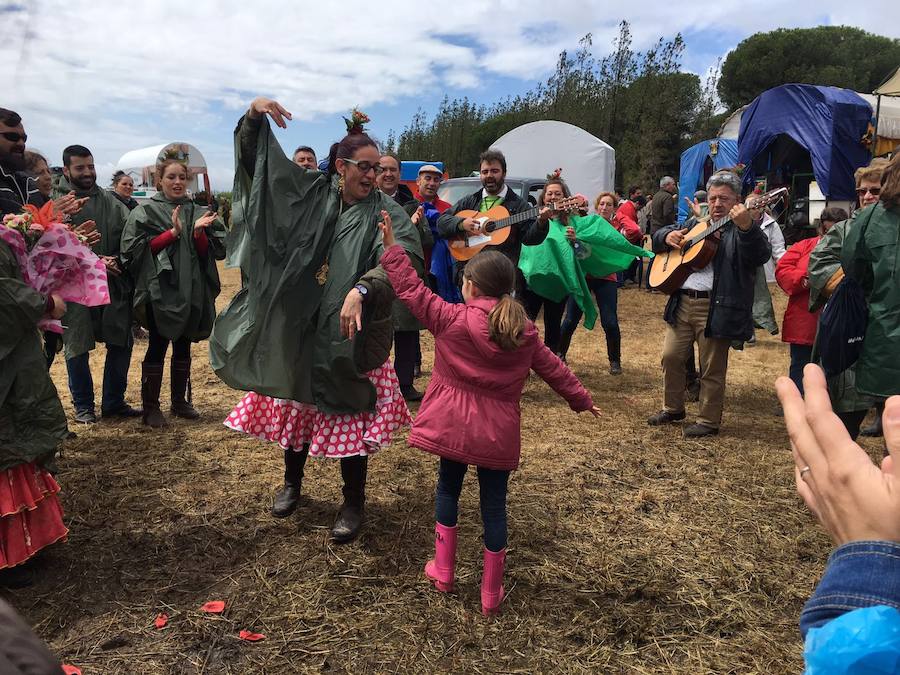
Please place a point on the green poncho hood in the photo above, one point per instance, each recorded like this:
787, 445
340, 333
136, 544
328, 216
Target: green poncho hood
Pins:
280, 335
180, 286
554, 270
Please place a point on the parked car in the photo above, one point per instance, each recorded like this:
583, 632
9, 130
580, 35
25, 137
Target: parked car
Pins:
454, 189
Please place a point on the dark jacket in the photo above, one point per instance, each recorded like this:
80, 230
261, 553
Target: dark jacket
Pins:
16, 190
129, 203
662, 211
404, 195
731, 300
530, 232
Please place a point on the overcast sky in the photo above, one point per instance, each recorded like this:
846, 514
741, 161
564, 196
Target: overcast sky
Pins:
120, 76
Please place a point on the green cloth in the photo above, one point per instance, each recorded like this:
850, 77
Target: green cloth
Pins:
553, 270
824, 261
180, 287
110, 323
763, 309
870, 255
32, 421
488, 202
280, 335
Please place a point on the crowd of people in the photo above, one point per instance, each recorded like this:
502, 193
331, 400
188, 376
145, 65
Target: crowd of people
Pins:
372, 261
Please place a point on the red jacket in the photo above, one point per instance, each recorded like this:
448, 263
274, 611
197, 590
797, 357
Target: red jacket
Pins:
799, 323
470, 412
625, 221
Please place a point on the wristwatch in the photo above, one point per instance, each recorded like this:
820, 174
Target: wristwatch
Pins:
363, 290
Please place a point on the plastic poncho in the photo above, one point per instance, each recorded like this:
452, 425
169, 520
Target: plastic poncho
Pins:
110, 323
179, 285
280, 335
554, 270
32, 421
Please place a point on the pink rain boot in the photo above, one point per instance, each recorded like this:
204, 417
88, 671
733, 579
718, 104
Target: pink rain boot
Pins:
492, 582
440, 568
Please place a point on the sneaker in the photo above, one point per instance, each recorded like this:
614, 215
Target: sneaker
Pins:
615, 368
85, 417
665, 417
699, 431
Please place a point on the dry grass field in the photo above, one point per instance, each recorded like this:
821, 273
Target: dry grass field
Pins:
632, 550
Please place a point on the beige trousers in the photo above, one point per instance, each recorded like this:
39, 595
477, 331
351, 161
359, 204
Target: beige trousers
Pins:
678, 346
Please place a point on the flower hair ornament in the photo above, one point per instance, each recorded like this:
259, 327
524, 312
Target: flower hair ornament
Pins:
355, 123
555, 174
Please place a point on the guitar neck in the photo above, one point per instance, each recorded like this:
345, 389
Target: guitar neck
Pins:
516, 218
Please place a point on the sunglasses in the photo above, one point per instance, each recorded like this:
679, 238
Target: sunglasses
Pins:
874, 191
365, 167
14, 136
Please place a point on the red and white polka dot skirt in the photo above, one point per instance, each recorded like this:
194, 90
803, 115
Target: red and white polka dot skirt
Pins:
292, 424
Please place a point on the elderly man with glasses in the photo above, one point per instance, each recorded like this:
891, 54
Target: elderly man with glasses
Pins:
713, 307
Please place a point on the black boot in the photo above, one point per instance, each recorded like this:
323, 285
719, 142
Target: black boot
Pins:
350, 517
565, 339
181, 389
151, 383
16, 577
287, 498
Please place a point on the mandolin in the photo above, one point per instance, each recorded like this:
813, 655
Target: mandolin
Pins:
672, 268
494, 227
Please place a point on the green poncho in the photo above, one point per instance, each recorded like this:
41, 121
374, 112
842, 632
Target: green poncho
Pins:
280, 335
179, 285
32, 421
110, 323
553, 270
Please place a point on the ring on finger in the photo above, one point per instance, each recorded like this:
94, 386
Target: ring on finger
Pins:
804, 471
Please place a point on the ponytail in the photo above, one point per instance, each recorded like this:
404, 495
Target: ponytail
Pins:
506, 323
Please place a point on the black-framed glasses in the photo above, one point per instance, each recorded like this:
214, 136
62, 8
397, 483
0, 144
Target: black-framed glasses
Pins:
365, 167
14, 136
874, 191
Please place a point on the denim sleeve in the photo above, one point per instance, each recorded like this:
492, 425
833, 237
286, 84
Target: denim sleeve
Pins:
858, 574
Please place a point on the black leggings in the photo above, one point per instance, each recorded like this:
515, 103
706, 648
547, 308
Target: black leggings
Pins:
158, 345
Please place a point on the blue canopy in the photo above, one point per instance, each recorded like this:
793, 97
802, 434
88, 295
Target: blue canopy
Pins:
722, 151
827, 122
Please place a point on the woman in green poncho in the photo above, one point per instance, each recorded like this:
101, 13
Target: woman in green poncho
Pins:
309, 334
170, 246
32, 424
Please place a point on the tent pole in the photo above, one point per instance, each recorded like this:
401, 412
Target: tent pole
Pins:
875, 133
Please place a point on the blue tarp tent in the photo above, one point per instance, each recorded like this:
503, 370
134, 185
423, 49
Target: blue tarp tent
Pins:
827, 122
722, 151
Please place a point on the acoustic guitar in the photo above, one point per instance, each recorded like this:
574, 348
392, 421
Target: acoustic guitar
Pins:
672, 268
493, 227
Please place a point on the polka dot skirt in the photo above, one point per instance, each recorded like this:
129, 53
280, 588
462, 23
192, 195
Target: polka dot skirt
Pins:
292, 424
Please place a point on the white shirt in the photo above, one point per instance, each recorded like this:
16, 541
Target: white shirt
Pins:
776, 239
702, 279
501, 194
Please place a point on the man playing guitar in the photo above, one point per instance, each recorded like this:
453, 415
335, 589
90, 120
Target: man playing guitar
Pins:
713, 306
495, 192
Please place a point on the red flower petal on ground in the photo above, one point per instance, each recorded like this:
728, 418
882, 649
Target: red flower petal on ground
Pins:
161, 621
71, 670
251, 637
214, 607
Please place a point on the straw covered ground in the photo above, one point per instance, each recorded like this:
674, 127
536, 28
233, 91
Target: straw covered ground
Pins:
631, 549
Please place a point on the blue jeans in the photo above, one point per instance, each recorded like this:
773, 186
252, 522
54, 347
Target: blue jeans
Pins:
858, 574
115, 379
607, 301
492, 484
800, 356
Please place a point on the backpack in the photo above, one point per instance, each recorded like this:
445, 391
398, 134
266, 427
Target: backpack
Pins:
842, 327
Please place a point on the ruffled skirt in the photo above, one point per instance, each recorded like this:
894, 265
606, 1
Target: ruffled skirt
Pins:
293, 425
31, 516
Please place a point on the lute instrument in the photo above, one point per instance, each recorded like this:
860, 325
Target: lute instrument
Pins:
494, 227
672, 268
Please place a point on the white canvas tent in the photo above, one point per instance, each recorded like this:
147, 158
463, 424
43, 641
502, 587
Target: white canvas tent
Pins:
536, 149
140, 165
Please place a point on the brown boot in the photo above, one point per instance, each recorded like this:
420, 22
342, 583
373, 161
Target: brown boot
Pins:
151, 383
181, 389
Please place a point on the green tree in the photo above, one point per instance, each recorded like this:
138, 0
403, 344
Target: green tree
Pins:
839, 56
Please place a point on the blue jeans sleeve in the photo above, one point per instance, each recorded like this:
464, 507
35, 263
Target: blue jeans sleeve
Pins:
858, 574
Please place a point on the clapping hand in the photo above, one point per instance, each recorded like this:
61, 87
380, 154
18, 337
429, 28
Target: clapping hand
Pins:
417, 216
203, 222
695, 207
112, 265
68, 204
88, 230
387, 230
853, 498
176, 221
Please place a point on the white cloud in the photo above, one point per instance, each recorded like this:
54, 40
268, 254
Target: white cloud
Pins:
122, 75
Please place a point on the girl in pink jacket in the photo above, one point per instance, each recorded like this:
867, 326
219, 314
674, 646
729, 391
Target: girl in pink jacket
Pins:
484, 350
